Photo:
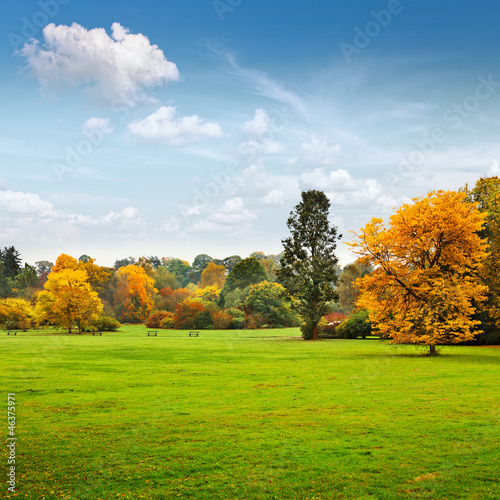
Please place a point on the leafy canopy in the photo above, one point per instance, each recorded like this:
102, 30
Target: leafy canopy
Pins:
424, 288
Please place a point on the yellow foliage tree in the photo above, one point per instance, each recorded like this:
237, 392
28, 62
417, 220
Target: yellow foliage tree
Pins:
210, 293
15, 314
68, 300
424, 289
134, 293
213, 274
96, 275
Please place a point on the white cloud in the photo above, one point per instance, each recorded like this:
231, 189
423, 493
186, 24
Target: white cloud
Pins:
275, 197
317, 151
260, 135
493, 170
258, 125
231, 217
95, 124
162, 126
128, 218
171, 225
115, 69
24, 204
344, 190
335, 180
265, 86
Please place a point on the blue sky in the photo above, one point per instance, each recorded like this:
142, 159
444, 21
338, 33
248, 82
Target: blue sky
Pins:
179, 128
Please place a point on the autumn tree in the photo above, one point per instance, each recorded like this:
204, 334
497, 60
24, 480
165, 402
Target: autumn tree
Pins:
213, 274
68, 300
486, 193
424, 289
309, 265
15, 314
134, 294
187, 312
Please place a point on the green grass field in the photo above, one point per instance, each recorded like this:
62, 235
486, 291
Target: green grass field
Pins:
248, 415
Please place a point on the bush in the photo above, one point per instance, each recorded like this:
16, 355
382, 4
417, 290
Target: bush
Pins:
357, 325
154, 321
168, 321
222, 320
203, 321
256, 320
107, 324
238, 318
333, 321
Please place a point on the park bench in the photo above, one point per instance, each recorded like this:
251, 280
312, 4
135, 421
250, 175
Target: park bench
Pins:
13, 332
153, 333
96, 333
194, 334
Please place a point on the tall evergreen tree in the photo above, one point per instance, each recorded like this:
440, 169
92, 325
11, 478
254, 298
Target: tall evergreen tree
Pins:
11, 259
309, 265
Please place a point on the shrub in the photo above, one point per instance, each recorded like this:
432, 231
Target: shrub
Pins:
155, 319
357, 325
107, 324
222, 320
238, 318
203, 321
256, 320
168, 321
333, 321
238, 323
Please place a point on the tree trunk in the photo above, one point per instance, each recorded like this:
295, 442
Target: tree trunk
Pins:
432, 350
315, 331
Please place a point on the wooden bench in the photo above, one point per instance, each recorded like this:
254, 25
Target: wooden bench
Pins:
153, 333
13, 332
194, 334
96, 333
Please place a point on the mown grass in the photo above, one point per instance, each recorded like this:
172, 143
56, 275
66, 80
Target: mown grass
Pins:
249, 415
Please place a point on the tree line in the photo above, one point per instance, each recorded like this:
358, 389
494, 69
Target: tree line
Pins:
429, 275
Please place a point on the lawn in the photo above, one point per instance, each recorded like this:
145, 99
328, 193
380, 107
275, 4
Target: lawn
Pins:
248, 415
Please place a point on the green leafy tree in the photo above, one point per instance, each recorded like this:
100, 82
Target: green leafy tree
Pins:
271, 300
230, 262
245, 273
128, 261
179, 268
4, 282
309, 265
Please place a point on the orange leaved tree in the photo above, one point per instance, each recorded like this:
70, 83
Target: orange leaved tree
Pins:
134, 294
424, 289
